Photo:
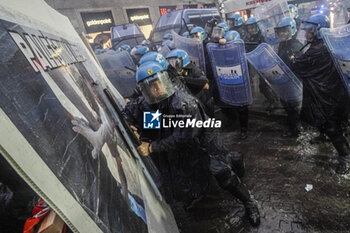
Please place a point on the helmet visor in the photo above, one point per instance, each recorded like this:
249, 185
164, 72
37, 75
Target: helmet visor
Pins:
157, 88
208, 28
217, 34
176, 63
283, 33
231, 23
253, 29
198, 36
309, 31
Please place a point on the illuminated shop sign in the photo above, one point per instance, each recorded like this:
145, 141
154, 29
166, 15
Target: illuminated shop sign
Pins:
97, 21
166, 9
140, 16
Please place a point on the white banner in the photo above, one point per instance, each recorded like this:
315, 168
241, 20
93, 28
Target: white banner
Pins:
238, 5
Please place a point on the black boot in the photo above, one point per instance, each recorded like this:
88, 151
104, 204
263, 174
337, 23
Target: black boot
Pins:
292, 110
242, 193
243, 116
342, 146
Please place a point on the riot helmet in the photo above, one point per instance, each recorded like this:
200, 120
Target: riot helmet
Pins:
252, 26
155, 57
219, 31
198, 33
178, 59
285, 29
234, 20
232, 35
154, 83
312, 26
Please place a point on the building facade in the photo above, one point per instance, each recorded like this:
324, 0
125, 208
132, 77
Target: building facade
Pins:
94, 17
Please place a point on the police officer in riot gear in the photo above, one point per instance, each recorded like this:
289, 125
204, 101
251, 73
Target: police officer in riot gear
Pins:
193, 77
160, 59
235, 22
175, 151
289, 49
138, 51
209, 26
181, 154
198, 33
325, 98
294, 13
252, 40
221, 34
254, 37
219, 31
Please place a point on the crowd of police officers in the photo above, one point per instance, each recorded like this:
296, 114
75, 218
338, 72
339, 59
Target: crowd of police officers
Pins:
192, 159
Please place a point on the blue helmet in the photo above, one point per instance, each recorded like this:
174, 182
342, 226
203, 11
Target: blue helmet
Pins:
316, 22
199, 32
186, 34
219, 31
294, 11
223, 25
147, 70
125, 47
141, 50
153, 81
232, 35
155, 57
178, 58
251, 20
167, 36
138, 51
286, 28
252, 26
234, 20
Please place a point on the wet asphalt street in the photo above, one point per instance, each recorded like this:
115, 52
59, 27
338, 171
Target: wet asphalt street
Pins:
279, 169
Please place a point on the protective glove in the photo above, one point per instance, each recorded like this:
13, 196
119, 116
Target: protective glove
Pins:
96, 138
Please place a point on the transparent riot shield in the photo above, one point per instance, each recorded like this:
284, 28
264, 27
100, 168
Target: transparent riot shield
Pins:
120, 70
269, 15
193, 47
276, 73
337, 41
